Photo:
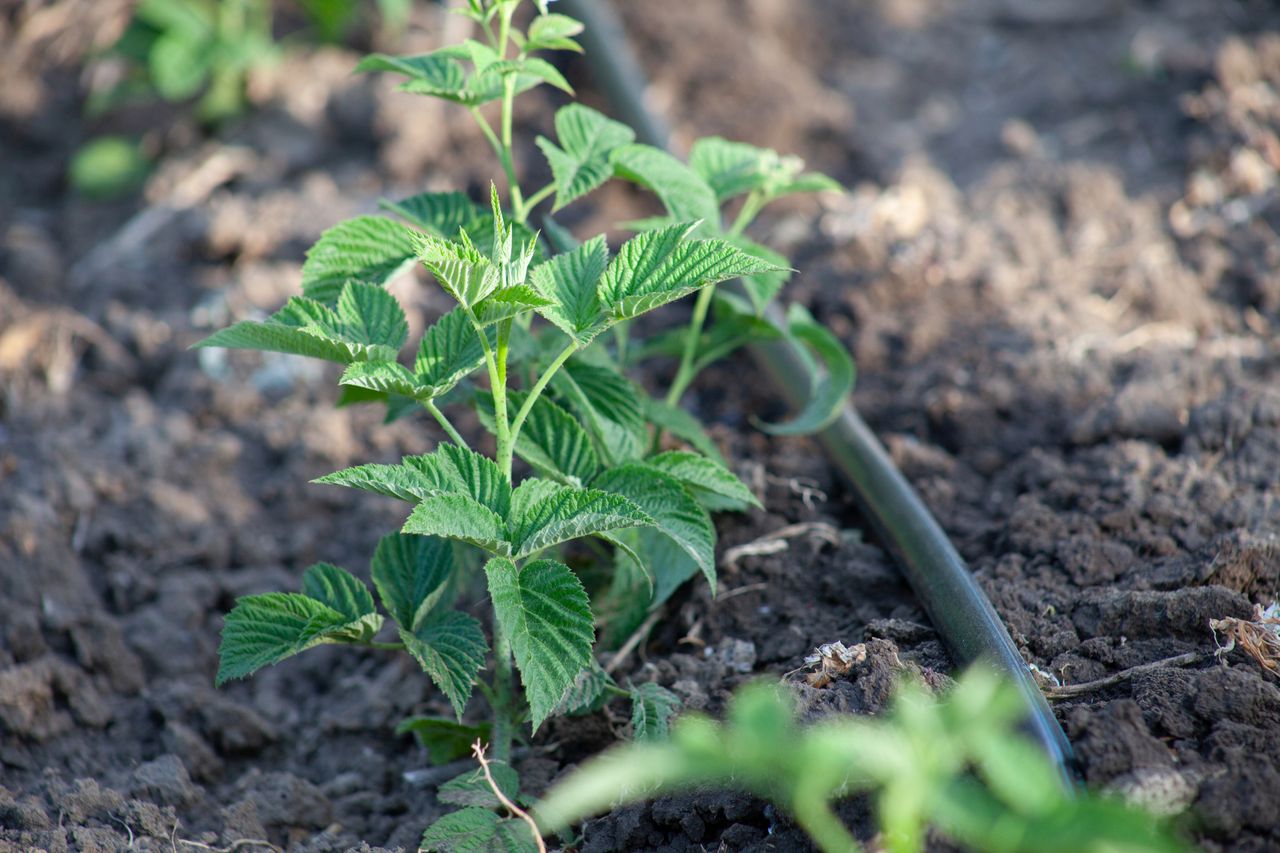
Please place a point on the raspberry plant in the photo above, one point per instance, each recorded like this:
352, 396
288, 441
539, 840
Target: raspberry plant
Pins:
538, 345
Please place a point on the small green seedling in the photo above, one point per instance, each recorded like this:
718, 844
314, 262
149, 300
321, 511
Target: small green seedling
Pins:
538, 346
958, 765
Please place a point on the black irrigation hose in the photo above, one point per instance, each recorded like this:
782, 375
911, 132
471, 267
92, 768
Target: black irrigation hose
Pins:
959, 610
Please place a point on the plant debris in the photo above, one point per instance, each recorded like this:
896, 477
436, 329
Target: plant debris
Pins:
1259, 637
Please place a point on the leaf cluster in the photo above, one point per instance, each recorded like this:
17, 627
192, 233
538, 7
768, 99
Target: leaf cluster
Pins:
959, 765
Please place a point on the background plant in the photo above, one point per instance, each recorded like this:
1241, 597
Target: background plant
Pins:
553, 393
959, 765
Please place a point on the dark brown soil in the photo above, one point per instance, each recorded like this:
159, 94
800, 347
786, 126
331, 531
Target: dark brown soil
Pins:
1057, 269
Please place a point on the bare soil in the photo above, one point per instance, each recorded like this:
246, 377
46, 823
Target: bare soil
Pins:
1057, 268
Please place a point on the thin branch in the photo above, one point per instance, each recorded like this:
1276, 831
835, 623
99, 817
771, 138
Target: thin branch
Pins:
637, 637
1067, 691
444, 422
477, 749
538, 387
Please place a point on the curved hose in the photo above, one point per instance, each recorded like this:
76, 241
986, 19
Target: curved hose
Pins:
959, 610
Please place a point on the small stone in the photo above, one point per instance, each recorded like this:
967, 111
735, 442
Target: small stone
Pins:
166, 781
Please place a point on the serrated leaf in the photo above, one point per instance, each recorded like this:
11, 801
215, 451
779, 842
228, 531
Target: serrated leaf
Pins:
652, 707
385, 377
730, 168
393, 481
277, 337
367, 314
529, 493
471, 788
569, 513
410, 573
535, 68
265, 629
451, 648
581, 162
810, 182
450, 350
477, 830
829, 386
370, 249
663, 265
445, 740
472, 474
683, 426
609, 405
509, 302
550, 440
676, 513
712, 484
441, 214
568, 281
339, 589
545, 613
684, 193
588, 693
459, 268
462, 518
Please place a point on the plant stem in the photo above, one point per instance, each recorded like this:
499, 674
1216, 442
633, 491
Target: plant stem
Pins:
508, 165
685, 374
532, 201
498, 385
816, 818
506, 443
538, 387
444, 422
504, 711
755, 201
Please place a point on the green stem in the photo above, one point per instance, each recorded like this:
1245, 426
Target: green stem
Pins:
685, 373
816, 818
498, 385
508, 165
538, 387
391, 647
430, 406
621, 337
752, 206
506, 444
532, 201
504, 708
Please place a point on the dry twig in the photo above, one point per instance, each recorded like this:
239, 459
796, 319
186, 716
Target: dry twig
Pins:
773, 543
477, 749
1258, 637
1066, 691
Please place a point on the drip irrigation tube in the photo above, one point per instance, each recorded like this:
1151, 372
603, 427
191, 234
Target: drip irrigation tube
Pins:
959, 610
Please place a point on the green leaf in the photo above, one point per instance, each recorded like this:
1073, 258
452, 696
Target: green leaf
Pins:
460, 269
339, 589
471, 788
609, 405
472, 474
273, 336
392, 481
652, 707
550, 440
568, 281
385, 377
265, 629
531, 67
683, 426
712, 484
581, 162
108, 166
477, 830
450, 350
730, 168
410, 573
459, 517
450, 647
684, 193
589, 692
661, 266
828, 387
370, 249
553, 32
545, 613
569, 513
733, 168
509, 302
677, 514
446, 740
441, 214
368, 315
